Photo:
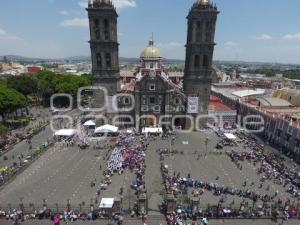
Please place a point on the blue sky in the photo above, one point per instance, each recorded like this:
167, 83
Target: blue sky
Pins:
249, 30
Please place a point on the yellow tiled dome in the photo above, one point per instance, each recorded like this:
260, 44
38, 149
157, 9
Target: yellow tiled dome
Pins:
151, 51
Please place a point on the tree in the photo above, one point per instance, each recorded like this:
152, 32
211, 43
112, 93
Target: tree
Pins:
45, 87
25, 83
3, 130
10, 101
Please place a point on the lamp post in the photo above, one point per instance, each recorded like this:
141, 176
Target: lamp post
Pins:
206, 144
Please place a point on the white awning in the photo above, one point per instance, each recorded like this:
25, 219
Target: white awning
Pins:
128, 131
65, 132
152, 130
106, 129
89, 123
230, 136
106, 203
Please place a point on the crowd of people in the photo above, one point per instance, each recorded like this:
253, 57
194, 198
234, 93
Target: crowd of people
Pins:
271, 166
254, 204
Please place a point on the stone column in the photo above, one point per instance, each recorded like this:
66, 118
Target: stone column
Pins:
142, 203
195, 205
117, 205
171, 203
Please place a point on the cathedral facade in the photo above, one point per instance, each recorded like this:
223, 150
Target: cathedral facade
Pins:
151, 97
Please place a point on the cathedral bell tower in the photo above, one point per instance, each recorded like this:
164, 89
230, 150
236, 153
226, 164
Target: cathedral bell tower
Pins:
104, 47
199, 54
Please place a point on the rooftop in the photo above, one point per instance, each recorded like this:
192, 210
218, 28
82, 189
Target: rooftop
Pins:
273, 102
248, 92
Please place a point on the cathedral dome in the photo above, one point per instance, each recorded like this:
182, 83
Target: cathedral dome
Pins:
151, 51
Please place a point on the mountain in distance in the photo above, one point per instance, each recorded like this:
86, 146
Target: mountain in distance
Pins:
128, 60
123, 60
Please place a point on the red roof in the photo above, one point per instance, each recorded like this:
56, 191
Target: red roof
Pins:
33, 69
217, 105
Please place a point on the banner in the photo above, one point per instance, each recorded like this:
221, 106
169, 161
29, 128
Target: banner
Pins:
193, 106
112, 104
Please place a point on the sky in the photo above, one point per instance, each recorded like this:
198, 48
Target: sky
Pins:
247, 30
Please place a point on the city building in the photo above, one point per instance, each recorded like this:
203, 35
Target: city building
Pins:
159, 96
279, 118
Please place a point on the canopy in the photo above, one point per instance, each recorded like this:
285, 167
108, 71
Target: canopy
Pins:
152, 130
106, 203
128, 131
230, 136
89, 123
106, 129
65, 132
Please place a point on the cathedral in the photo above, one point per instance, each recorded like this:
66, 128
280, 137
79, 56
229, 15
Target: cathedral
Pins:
152, 97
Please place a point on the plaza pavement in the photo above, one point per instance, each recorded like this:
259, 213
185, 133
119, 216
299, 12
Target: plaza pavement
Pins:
212, 166
66, 172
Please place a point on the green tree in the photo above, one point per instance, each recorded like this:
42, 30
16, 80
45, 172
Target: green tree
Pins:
3, 130
10, 101
25, 83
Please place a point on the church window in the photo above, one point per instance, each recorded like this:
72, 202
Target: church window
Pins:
152, 87
106, 24
151, 100
208, 25
208, 36
97, 32
151, 65
106, 35
176, 101
199, 32
108, 60
198, 36
106, 29
99, 60
196, 61
96, 22
126, 100
205, 62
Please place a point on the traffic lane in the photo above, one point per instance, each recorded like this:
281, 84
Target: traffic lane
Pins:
57, 181
36, 141
34, 175
23, 147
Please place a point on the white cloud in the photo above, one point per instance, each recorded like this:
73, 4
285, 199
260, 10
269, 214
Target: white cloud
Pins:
292, 37
64, 12
119, 4
230, 44
76, 22
169, 45
124, 3
5, 36
262, 37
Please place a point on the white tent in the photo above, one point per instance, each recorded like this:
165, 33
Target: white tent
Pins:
106, 129
106, 203
230, 136
152, 130
89, 123
65, 132
128, 131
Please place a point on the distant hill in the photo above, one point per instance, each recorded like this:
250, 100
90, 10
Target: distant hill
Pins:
123, 60
127, 60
